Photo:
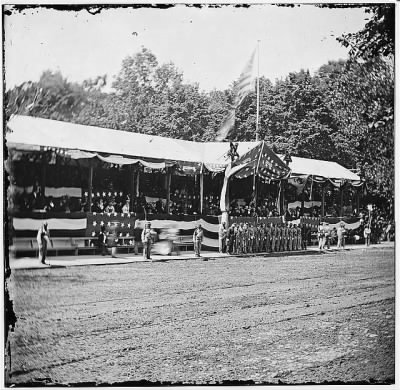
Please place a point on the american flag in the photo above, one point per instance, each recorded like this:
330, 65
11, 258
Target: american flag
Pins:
246, 82
245, 85
226, 126
262, 161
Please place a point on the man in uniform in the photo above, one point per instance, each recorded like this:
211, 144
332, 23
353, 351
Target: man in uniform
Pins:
245, 237
239, 239
251, 238
289, 236
197, 239
230, 238
235, 239
278, 237
298, 237
273, 237
146, 240
261, 238
303, 228
267, 244
222, 238
43, 240
295, 238
284, 236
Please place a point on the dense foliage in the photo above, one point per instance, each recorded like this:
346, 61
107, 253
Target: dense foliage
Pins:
344, 112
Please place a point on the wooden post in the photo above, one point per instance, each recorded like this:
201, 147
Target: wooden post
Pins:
43, 179
282, 198
132, 191
358, 201
137, 183
323, 201
255, 188
201, 191
341, 201
90, 185
168, 188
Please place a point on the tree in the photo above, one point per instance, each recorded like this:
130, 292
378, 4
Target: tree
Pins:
366, 98
52, 97
377, 37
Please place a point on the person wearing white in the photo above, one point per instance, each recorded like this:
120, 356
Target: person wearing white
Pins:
222, 238
146, 240
43, 240
197, 240
341, 233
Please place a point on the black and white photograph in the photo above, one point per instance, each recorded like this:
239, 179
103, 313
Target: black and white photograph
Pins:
199, 194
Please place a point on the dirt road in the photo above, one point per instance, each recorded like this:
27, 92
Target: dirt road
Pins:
291, 319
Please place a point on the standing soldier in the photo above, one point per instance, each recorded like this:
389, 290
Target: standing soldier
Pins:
197, 239
304, 229
273, 237
235, 239
267, 238
261, 239
251, 239
245, 237
278, 237
289, 246
321, 237
239, 238
230, 238
43, 240
256, 237
285, 236
102, 240
341, 235
288, 237
294, 237
222, 238
146, 240
298, 237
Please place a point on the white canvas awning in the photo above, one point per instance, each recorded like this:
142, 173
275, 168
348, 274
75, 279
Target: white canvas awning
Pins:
30, 133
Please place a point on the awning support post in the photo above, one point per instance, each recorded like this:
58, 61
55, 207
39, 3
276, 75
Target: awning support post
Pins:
323, 201
168, 189
201, 191
132, 175
43, 178
341, 201
90, 186
137, 183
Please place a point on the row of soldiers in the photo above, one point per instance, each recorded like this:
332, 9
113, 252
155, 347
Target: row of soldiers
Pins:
244, 238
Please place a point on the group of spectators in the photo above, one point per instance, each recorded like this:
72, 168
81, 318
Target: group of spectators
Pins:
35, 200
250, 209
242, 238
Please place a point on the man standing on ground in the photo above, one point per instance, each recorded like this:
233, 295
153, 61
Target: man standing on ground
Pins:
231, 239
273, 237
341, 236
102, 240
43, 239
197, 239
303, 236
146, 240
222, 238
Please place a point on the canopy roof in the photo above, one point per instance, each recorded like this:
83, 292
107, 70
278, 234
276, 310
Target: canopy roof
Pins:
31, 133
320, 168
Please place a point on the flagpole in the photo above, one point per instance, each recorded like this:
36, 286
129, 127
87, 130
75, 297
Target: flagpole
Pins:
258, 89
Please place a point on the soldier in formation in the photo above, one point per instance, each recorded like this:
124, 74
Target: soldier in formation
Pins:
242, 238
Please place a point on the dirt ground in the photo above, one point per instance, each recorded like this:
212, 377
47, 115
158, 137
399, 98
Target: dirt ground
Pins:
300, 319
